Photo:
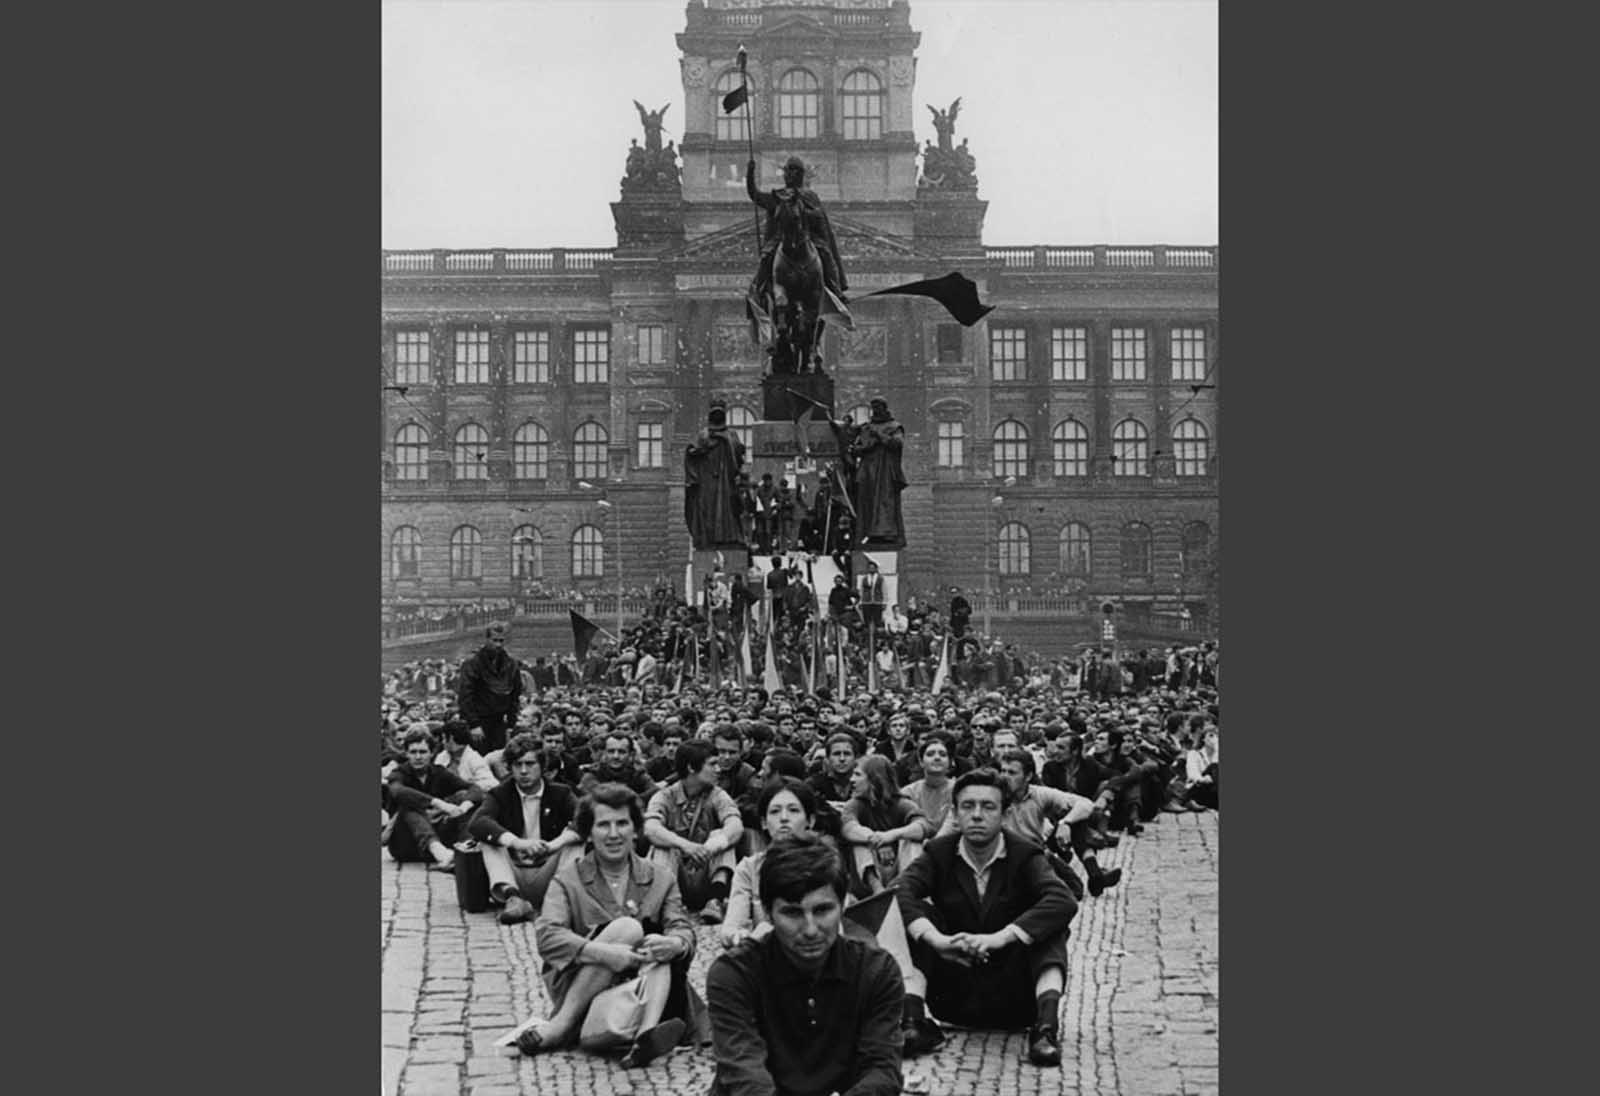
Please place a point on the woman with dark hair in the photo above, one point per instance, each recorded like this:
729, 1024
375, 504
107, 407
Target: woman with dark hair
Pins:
883, 827
786, 807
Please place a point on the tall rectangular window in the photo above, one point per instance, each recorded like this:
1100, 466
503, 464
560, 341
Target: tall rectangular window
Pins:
1008, 353
1127, 354
530, 357
652, 445
472, 357
652, 344
952, 443
947, 340
411, 357
1188, 354
1069, 354
591, 355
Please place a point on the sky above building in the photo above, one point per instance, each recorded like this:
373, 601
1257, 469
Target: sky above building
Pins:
506, 122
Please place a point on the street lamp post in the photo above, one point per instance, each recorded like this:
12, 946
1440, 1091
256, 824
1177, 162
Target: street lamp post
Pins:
991, 547
606, 504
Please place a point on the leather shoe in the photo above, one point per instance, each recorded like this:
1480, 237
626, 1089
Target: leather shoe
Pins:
518, 909
653, 1043
1099, 883
920, 1037
1044, 1048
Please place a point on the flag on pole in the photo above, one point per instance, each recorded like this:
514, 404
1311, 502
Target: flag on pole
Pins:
839, 686
744, 656
872, 660
942, 675
770, 680
583, 632
735, 99
958, 294
714, 652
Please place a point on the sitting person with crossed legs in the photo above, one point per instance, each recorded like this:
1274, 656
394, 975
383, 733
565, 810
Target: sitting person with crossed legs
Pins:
987, 917
525, 829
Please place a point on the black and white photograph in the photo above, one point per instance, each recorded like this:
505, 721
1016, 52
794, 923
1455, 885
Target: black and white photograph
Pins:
801, 605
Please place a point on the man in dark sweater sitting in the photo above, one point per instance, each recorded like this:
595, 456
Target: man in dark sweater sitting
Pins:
805, 1011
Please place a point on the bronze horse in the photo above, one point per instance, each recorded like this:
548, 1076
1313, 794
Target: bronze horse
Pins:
799, 299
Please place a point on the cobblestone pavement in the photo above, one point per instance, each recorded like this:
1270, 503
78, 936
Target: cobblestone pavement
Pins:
1139, 1017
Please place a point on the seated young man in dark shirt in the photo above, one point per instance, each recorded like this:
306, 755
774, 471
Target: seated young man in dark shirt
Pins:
805, 1011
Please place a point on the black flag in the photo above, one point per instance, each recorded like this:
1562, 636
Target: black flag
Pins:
735, 99
582, 632
957, 293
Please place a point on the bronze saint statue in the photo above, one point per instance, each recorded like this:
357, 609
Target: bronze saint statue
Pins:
879, 478
711, 500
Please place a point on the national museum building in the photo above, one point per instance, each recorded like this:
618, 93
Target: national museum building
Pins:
1062, 452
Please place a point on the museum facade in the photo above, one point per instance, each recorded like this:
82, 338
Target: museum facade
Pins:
537, 403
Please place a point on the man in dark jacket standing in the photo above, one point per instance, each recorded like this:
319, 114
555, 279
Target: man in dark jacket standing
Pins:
489, 688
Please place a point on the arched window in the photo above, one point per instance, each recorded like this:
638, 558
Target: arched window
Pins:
741, 424
466, 552
471, 454
1070, 442
1075, 549
1136, 550
1014, 553
411, 452
1130, 448
405, 552
731, 127
530, 452
527, 553
588, 552
1192, 447
589, 451
1196, 548
861, 106
799, 105
1011, 449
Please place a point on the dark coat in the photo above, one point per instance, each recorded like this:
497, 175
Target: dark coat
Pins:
501, 811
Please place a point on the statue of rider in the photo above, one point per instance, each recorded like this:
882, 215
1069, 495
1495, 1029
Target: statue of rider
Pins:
817, 226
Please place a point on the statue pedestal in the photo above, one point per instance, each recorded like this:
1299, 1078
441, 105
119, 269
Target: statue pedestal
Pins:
784, 396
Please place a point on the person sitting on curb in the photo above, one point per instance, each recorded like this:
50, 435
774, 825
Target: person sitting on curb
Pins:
987, 917
806, 1009
525, 828
605, 916
694, 827
430, 805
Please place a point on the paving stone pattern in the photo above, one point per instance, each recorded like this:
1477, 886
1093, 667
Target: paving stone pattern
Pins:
1139, 1016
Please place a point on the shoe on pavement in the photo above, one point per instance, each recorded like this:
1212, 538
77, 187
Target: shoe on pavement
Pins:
518, 909
448, 864
921, 1037
1134, 829
653, 1043
1104, 881
713, 913
1044, 1047
530, 1041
